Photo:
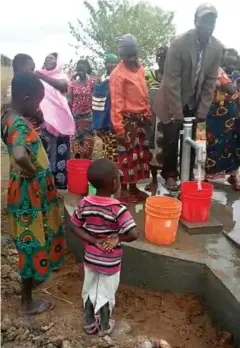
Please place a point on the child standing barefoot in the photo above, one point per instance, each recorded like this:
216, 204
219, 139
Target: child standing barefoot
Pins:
102, 223
32, 203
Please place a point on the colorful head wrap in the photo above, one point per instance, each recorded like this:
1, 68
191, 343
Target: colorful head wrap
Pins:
110, 57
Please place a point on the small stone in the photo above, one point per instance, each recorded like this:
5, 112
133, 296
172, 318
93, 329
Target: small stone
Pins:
6, 323
107, 342
11, 334
17, 288
50, 345
19, 322
24, 336
164, 344
19, 332
66, 344
47, 327
13, 275
12, 251
146, 344
5, 271
57, 341
36, 338
121, 329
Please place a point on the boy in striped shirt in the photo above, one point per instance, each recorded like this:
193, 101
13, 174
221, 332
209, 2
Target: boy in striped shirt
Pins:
102, 223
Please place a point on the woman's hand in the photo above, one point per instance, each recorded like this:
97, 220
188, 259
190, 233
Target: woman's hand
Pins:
39, 74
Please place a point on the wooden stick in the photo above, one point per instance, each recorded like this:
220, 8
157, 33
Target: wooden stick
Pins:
59, 298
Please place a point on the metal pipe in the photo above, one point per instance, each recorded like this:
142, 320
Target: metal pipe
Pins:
198, 148
186, 150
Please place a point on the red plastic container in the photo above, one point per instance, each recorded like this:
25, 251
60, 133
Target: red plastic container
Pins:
196, 203
77, 175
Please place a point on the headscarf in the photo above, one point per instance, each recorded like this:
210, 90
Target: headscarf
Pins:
110, 57
57, 114
127, 44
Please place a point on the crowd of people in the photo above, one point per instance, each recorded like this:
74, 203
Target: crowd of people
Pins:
47, 118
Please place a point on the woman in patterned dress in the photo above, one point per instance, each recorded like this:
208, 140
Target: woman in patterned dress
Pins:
131, 119
223, 151
32, 202
80, 100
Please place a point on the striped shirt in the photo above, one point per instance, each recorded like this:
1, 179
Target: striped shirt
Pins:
102, 217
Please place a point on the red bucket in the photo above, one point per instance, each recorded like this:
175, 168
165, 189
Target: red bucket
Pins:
77, 175
196, 203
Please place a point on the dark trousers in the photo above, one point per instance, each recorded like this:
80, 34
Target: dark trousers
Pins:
171, 134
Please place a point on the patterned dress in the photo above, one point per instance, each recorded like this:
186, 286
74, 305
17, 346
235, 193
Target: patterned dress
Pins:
82, 143
131, 118
223, 151
33, 207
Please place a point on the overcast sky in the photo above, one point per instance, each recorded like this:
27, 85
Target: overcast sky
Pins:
40, 27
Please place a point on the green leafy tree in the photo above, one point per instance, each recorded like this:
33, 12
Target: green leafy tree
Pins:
110, 19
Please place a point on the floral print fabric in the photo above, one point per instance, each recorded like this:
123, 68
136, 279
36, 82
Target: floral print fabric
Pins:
223, 145
33, 207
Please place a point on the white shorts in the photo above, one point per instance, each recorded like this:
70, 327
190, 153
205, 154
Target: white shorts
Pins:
100, 288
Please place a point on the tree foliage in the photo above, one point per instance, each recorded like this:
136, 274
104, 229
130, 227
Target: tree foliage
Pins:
112, 18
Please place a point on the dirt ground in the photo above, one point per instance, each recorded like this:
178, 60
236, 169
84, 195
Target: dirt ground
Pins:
140, 315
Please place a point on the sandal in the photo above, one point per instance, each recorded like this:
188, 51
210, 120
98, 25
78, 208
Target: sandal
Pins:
172, 186
43, 306
234, 183
93, 328
107, 332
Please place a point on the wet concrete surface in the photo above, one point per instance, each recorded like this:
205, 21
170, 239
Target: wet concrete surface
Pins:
216, 250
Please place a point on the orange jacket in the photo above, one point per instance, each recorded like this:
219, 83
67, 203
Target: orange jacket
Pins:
129, 93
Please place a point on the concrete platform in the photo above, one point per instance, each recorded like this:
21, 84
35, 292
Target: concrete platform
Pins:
211, 226
207, 265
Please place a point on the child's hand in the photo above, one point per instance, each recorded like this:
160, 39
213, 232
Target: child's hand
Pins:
111, 242
99, 243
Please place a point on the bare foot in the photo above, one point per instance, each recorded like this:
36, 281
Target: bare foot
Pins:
234, 181
138, 194
124, 196
36, 307
171, 184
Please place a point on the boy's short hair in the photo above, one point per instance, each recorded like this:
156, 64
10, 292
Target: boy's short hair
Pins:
102, 172
26, 84
19, 61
